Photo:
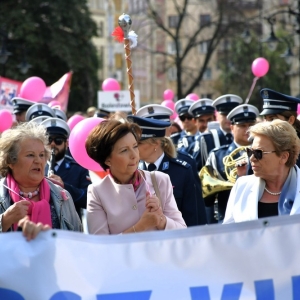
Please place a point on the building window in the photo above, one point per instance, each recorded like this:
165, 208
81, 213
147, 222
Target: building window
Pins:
203, 47
207, 74
173, 21
172, 74
204, 20
172, 47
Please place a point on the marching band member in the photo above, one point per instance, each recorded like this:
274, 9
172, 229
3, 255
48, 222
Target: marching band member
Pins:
215, 138
72, 177
273, 188
159, 112
241, 118
20, 107
189, 123
280, 106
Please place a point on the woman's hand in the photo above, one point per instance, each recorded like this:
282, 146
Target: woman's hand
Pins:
14, 214
152, 202
30, 229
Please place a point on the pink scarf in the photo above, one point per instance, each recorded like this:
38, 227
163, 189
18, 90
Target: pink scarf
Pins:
136, 179
39, 211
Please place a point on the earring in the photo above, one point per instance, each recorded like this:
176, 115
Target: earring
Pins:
154, 149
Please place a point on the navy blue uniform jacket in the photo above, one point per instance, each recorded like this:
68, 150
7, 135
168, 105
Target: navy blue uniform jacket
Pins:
76, 180
184, 189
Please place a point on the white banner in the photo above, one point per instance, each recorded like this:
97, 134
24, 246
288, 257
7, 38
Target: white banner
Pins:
252, 260
117, 101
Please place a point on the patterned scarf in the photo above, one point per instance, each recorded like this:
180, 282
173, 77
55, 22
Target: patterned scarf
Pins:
39, 211
136, 179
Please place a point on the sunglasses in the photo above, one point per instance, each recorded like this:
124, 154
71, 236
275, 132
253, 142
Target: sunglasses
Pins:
257, 153
57, 140
182, 118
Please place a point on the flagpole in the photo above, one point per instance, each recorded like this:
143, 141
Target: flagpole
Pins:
125, 23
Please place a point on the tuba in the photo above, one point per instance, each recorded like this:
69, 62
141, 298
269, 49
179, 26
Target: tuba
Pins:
211, 184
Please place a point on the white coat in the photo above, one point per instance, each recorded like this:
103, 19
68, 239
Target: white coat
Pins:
245, 195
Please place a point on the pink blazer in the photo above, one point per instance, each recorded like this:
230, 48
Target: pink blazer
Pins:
113, 208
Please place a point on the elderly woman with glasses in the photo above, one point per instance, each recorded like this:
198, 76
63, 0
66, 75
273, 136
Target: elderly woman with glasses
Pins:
272, 189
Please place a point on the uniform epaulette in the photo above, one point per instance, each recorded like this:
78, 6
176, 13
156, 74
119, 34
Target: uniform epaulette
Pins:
184, 153
221, 147
70, 158
181, 162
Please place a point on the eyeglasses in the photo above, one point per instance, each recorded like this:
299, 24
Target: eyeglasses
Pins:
257, 153
57, 140
182, 118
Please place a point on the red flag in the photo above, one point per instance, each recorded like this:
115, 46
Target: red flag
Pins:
59, 91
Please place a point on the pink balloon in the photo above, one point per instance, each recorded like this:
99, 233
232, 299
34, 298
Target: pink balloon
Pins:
6, 119
192, 96
169, 104
110, 84
174, 116
33, 88
74, 120
260, 67
54, 104
168, 94
77, 140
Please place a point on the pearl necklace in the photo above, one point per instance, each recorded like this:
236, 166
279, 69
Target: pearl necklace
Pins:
30, 194
273, 194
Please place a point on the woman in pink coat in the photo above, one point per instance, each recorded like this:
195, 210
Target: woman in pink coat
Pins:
124, 201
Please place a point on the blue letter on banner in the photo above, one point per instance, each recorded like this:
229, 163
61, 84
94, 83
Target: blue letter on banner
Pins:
145, 295
296, 287
6, 294
264, 289
230, 292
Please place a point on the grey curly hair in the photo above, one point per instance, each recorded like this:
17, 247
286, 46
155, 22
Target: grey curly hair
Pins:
10, 143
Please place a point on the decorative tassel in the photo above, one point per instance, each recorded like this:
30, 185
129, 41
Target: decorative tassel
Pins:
118, 35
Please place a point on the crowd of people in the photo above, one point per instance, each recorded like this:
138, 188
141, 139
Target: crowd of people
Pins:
216, 163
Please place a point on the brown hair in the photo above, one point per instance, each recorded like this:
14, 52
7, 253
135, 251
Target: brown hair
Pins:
103, 137
287, 114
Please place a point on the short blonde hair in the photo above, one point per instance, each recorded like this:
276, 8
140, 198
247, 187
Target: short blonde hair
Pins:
10, 143
282, 135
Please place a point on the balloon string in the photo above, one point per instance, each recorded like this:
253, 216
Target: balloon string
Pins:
251, 89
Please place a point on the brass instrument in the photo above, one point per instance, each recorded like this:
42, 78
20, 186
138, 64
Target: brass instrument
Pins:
230, 163
211, 184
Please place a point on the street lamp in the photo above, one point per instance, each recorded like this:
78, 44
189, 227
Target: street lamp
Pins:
272, 40
288, 55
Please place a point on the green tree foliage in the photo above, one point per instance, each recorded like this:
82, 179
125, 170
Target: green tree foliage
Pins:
55, 37
237, 76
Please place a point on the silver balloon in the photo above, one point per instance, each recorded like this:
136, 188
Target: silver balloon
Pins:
125, 23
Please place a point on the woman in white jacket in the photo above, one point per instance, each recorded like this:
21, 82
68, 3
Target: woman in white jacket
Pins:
274, 188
